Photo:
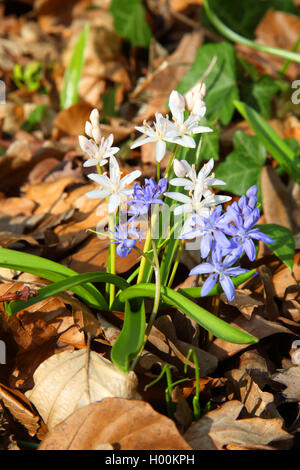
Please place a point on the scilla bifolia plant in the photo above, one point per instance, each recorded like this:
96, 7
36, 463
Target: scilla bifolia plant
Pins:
167, 213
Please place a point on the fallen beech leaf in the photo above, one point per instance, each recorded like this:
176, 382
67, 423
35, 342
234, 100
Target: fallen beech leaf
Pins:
291, 378
283, 278
92, 256
275, 198
125, 424
244, 302
206, 361
179, 5
14, 206
166, 80
256, 402
70, 380
257, 326
20, 408
220, 428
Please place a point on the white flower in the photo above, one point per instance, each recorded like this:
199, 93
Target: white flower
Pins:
191, 126
202, 180
98, 153
194, 100
97, 147
113, 187
162, 132
198, 204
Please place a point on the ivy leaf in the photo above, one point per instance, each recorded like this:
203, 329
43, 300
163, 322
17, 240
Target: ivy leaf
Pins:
284, 243
210, 145
259, 94
130, 21
242, 167
220, 83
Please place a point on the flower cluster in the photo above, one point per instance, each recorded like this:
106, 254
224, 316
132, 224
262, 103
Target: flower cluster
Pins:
179, 130
220, 253
223, 236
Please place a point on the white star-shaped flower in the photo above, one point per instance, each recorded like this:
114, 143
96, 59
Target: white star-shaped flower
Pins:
185, 128
162, 132
97, 147
113, 186
197, 204
202, 180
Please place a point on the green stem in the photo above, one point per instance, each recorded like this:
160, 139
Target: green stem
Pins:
112, 255
111, 264
176, 264
288, 61
158, 171
235, 37
144, 260
155, 304
169, 167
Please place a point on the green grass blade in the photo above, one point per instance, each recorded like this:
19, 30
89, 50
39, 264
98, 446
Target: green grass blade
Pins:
131, 337
207, 320
279, 150
51, 271
67, 284
69, 92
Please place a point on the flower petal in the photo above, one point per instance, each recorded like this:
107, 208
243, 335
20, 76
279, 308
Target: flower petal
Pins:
160, 150
209, 284
228, 286
203, 268
113, 203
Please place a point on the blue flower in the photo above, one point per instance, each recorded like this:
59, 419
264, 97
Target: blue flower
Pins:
245, 216
145, 196
209, 230
125, 236
218, 269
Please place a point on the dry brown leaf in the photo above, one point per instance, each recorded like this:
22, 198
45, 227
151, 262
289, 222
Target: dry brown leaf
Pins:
14, 206
124, 424
72, 120
92, 256
221, 427
246, 304
256, 326
275, 198
20, 408
291, 378
70, 380
165, 81
256, 402
207, 362
179, 5
283, 278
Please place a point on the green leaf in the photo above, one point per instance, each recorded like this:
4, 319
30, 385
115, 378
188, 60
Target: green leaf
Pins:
220, 83
279, 150
69, 92
244, 16
242, 167
284, 243
131, 337
130, 21
66, 284
210, 145
207, 320
34, 118
52, 272
259, 94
